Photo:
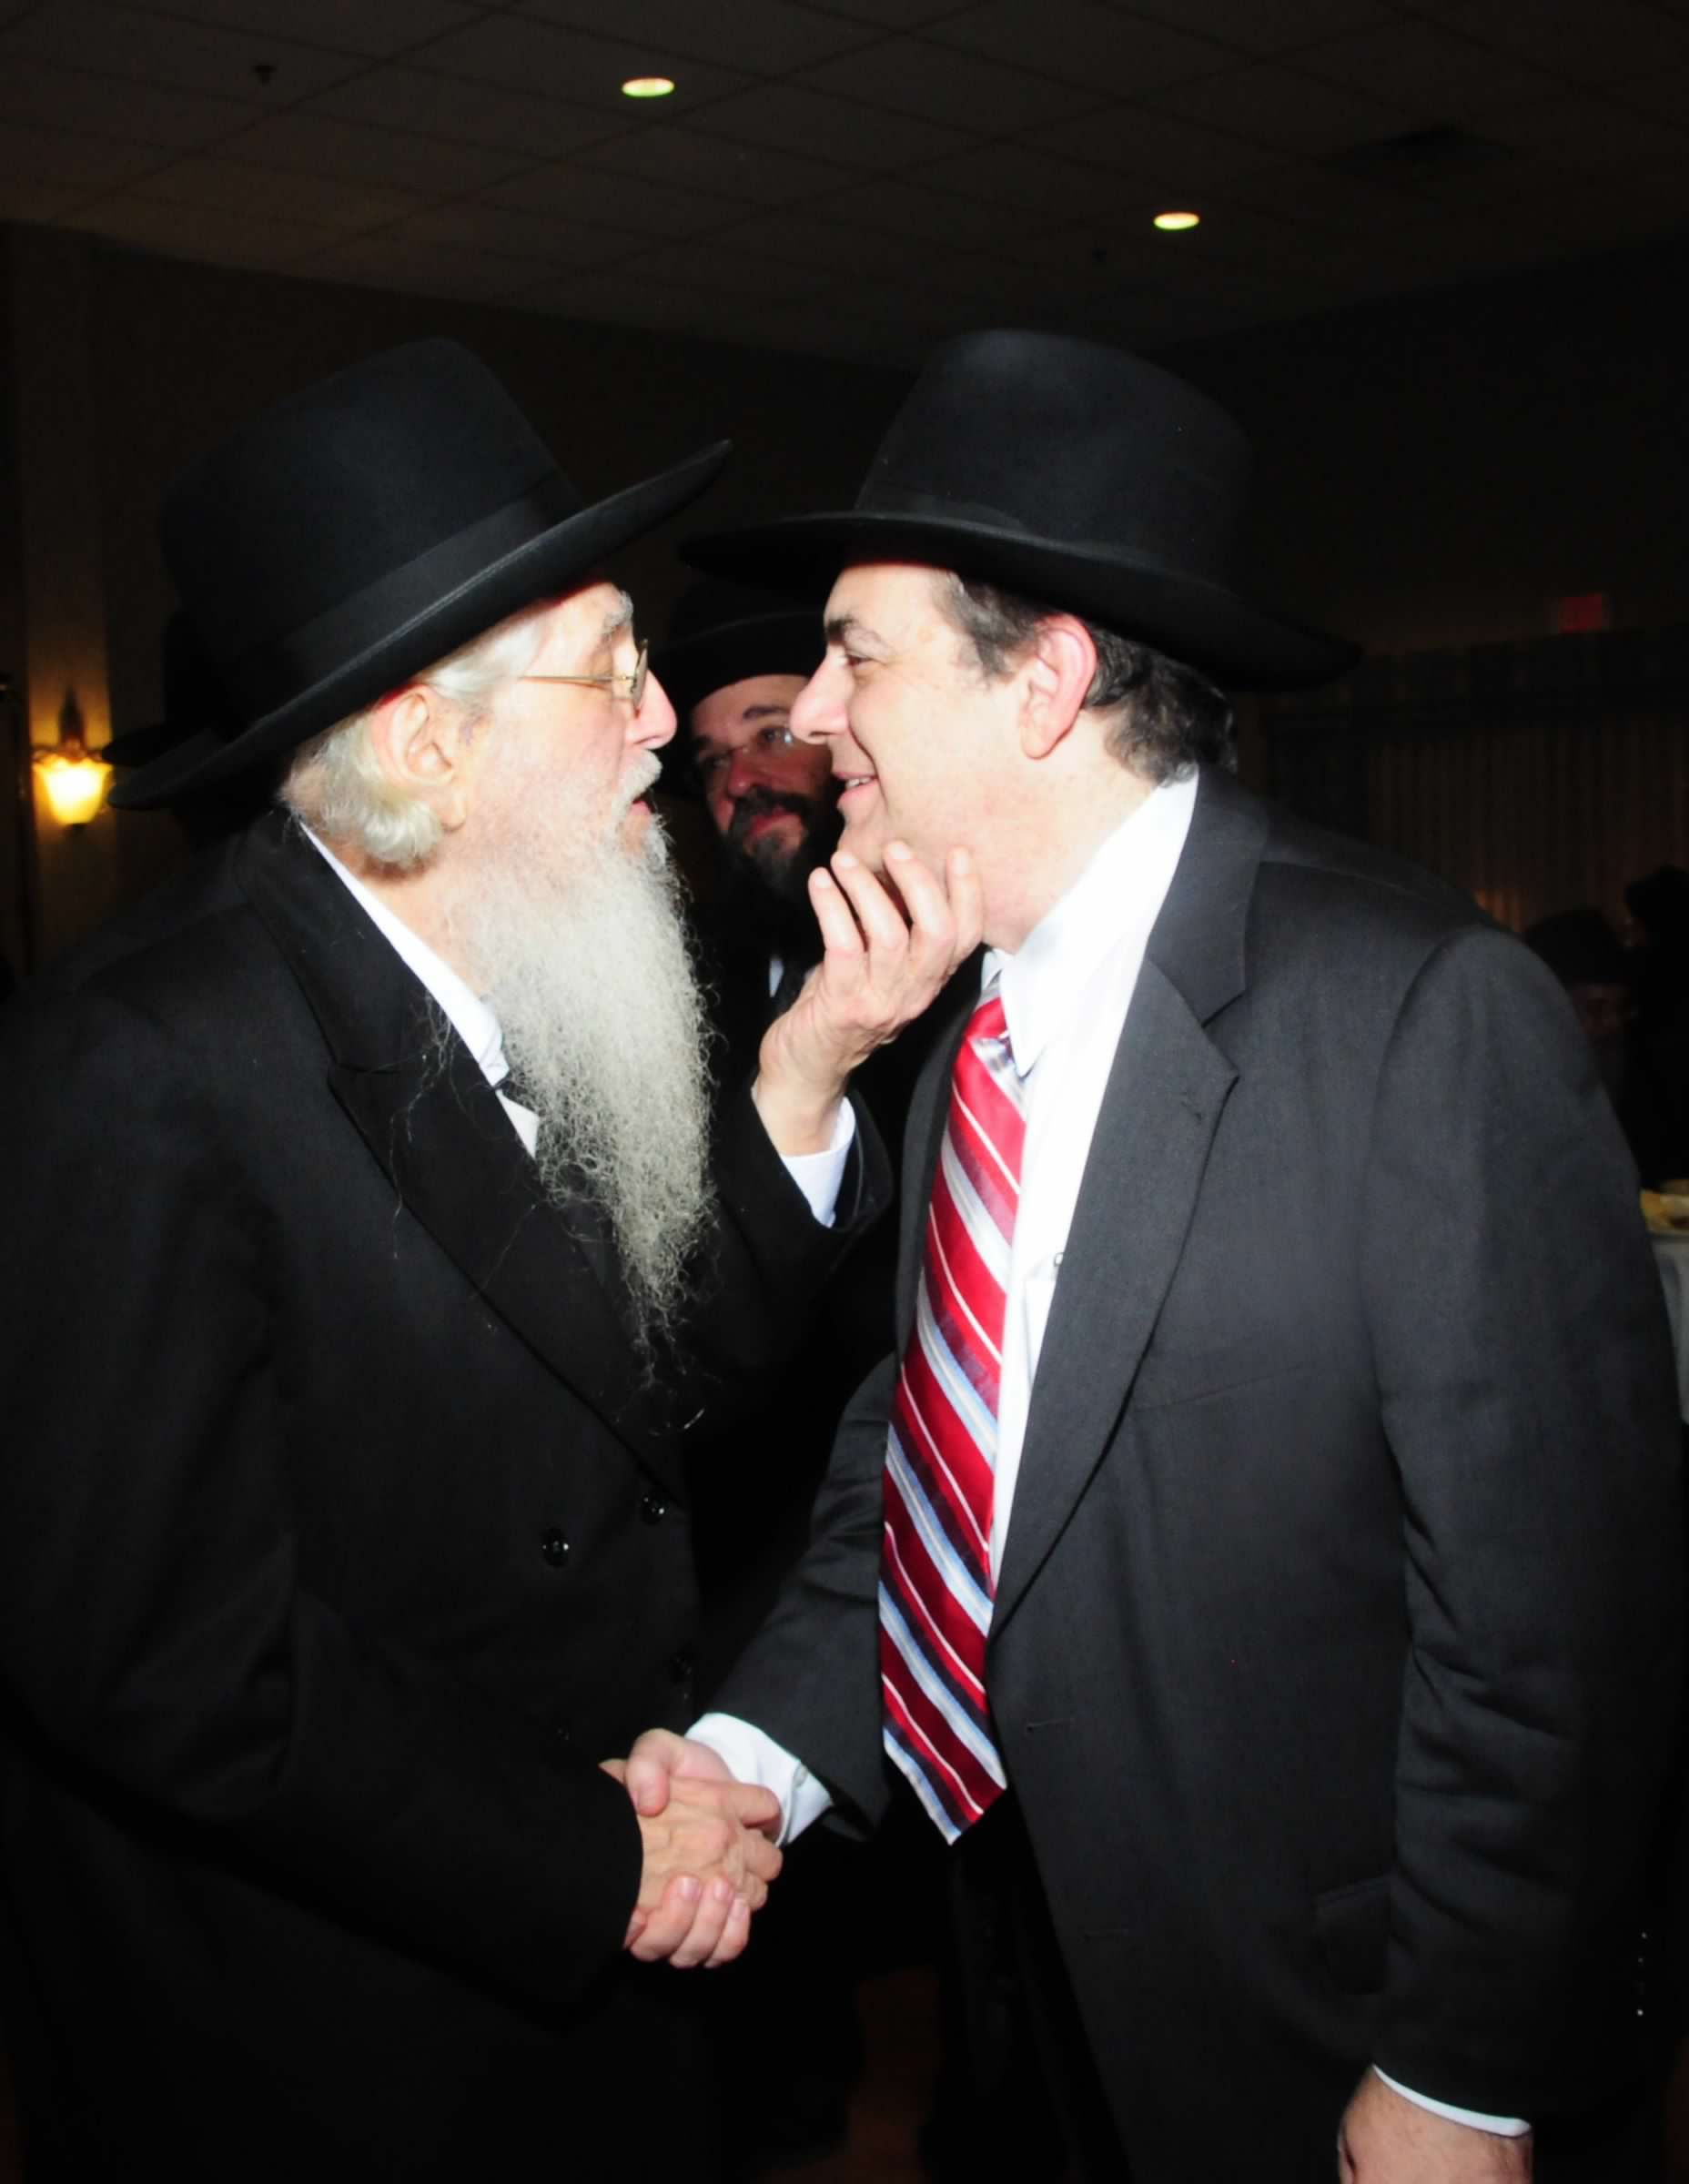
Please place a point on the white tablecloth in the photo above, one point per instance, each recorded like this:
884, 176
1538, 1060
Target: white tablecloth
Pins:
1671, 1255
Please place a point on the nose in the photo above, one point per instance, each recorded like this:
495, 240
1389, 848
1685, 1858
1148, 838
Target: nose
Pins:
818, 709
654, 723
743, 773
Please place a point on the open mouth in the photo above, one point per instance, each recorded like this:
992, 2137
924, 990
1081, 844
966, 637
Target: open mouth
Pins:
849, 784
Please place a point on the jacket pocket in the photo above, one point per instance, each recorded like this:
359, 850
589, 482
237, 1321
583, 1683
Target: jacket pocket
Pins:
1352, 1934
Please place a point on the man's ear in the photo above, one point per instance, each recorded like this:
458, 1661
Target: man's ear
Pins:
1058, 670
422, 745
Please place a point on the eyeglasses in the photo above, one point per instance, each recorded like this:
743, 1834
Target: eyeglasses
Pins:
630, 686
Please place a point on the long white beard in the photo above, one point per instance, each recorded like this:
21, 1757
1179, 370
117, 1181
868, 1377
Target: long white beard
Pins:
581, 951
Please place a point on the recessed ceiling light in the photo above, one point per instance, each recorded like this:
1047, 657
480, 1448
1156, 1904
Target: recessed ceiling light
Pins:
648, 87
1172, 223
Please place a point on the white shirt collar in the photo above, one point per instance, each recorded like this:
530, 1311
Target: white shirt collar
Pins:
464, 1009
1108, 910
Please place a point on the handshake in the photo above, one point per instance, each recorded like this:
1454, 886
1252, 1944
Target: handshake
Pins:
710, 1850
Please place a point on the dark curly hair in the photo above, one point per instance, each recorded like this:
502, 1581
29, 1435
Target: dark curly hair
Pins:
1168, 716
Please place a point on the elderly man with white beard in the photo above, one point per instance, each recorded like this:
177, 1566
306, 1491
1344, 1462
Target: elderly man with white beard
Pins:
382, 1142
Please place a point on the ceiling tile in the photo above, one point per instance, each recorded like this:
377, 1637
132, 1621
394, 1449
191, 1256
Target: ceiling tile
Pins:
106, 106
159, 49
1013, 175
1577, 40
891, 14
1112, 55
377, 27
426, 164
265, 194
72, 165
723, 271
1666, 95
910, 76
201, 232
1279, 107
1426, 67
620, 201
839, 245
911, 207
1298, 190
1589, 133
38, 200
553, 241
413, 268
545, 57
603, 298
762, 38
749, 171
465, 112
791, 119
1181, 155
1268, 26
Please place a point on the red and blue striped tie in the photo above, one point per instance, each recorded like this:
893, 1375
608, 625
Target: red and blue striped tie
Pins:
936, 1582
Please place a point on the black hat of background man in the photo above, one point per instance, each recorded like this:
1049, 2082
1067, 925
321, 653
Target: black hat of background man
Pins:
723, 633
346, 539
193, 700
1074, 474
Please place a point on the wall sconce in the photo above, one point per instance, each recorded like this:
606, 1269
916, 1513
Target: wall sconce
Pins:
73, 778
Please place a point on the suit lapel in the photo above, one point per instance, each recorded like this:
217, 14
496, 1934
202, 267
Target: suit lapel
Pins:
420, 1103
1167, 1089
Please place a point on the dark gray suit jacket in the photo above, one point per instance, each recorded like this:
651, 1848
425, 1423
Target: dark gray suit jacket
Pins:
1334, 1658
341, 1534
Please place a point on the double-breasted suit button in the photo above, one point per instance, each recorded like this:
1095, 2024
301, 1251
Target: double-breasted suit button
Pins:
653, 1508
554, 1548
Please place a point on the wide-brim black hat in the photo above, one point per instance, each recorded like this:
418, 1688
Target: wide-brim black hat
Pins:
342, 542
1076, 475
723, 633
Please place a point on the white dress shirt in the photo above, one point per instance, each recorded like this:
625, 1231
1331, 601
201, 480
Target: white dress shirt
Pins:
1065, 993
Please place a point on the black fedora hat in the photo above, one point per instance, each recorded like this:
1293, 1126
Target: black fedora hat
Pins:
723, 633
364, 528
1074, 474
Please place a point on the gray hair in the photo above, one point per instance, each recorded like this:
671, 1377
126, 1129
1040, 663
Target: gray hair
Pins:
337, 783
1167, 718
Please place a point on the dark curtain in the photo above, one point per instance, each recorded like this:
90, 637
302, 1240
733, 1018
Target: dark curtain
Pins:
1535, 776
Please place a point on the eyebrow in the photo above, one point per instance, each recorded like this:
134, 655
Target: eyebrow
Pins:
839, 627
618, 618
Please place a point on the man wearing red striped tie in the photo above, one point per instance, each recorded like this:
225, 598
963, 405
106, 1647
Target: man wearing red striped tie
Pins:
1259, 1558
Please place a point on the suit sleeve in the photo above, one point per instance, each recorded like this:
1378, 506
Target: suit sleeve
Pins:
161, 1637
773, 1259
811, 1677
1526, 1389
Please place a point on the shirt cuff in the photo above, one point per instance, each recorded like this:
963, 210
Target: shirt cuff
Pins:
1502, 2127
751, 1756
819, 1175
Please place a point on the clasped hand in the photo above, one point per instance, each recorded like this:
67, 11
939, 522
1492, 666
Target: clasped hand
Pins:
881, 966
709, 1855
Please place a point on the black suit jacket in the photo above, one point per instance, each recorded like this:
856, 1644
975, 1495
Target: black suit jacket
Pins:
341, 1534
1334, 1656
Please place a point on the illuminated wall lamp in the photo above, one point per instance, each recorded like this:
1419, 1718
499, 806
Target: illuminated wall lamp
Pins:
73, 779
